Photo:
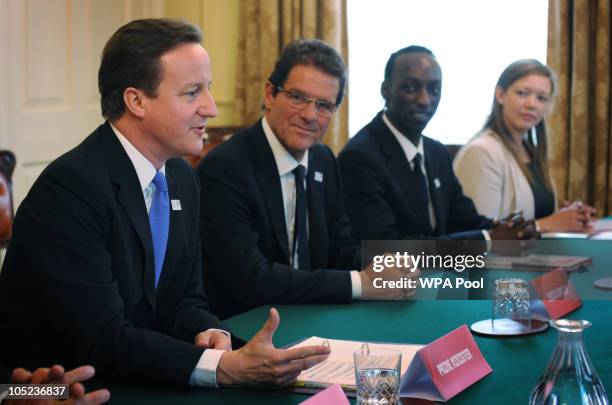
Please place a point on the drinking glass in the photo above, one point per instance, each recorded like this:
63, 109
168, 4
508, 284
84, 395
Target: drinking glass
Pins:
511, 301
377, 375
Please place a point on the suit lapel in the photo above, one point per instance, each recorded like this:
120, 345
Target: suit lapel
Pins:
317, 224
435, 186
269, 181
401, 172
130, 198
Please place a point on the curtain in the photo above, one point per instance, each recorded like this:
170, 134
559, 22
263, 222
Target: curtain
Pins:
266, 26
581, 137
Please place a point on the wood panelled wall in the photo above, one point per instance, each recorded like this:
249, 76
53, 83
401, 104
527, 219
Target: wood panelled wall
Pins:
218, 20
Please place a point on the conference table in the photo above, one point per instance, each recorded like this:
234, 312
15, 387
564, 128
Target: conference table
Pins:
517, 362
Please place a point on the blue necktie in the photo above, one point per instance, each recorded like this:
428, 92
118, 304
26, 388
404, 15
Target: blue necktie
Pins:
159, 220
300, 234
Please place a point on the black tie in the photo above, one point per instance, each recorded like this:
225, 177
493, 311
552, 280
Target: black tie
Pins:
300, 232
421, 185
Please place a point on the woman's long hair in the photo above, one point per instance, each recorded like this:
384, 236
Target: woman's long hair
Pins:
537, 142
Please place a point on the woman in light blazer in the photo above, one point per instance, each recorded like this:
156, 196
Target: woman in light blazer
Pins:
504, 168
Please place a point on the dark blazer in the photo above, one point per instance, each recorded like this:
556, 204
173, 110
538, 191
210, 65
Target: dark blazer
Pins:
379, 195
77, 285
244, 237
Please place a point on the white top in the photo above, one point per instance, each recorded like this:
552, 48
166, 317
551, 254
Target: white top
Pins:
492, 178
205, 372
285, 162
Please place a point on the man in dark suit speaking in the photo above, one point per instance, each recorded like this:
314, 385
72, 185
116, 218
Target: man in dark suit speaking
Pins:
273, 225
399, 184
104, 266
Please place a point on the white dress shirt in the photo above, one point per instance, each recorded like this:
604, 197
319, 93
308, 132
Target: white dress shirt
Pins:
205, 372
410, 150
286, 163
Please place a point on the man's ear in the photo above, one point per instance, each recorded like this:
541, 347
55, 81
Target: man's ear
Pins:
384, 90
134, 100
268, 95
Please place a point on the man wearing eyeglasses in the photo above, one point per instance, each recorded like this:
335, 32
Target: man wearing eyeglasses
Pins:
273, 225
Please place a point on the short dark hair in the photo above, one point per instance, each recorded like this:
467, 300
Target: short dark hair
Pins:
409, 49
311, 52
131, 58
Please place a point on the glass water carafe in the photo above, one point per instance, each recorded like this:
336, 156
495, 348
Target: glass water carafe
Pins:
569, 377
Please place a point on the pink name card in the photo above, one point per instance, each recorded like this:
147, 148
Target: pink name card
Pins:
445, 367
332, 395
557, 295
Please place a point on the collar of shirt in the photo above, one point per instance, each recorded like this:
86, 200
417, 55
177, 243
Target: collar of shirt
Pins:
410, 151
285, 162
408, 147
144, 168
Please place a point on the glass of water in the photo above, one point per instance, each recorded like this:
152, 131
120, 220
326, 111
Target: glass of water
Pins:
377, 375
511, 302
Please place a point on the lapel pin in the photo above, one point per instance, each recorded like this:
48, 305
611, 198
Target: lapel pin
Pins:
318, 176
437, 182
176, 205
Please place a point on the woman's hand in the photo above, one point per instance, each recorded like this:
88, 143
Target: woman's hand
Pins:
573, 217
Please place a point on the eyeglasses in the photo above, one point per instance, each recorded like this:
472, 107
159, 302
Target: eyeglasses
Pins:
299, 100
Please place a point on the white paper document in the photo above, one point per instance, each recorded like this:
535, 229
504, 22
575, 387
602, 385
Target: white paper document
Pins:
339, 367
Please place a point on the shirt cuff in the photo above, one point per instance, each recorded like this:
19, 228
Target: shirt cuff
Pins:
226, 333
205, 372
355, 285
487, 237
